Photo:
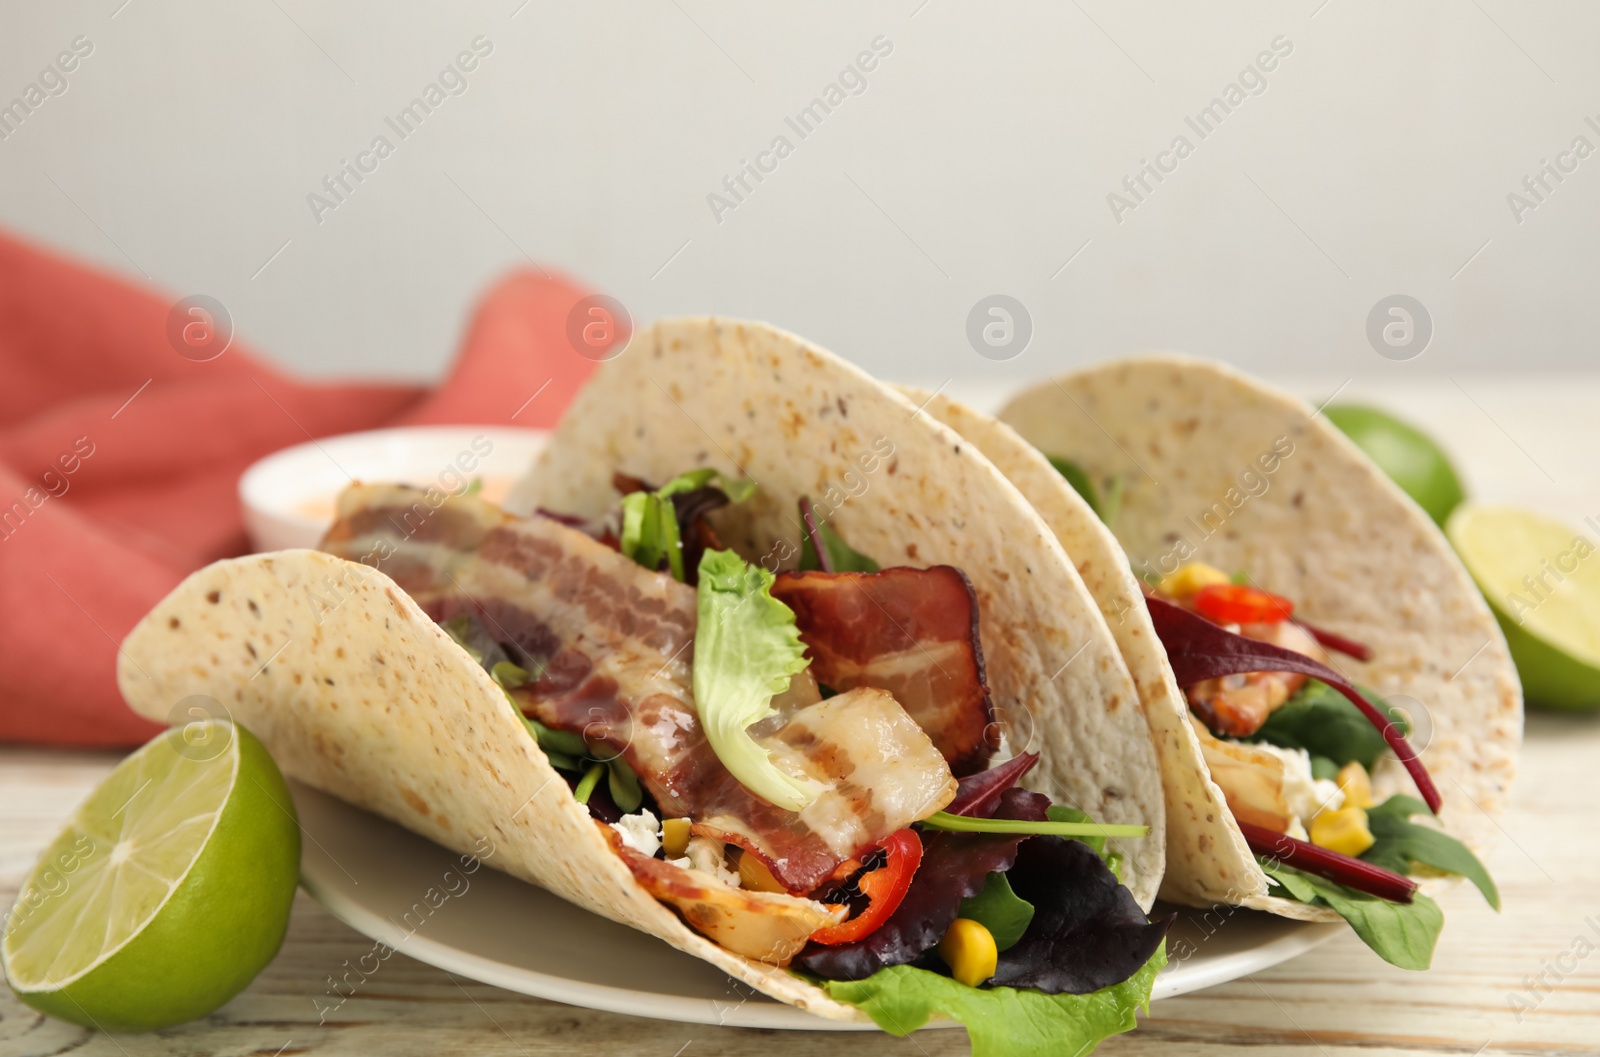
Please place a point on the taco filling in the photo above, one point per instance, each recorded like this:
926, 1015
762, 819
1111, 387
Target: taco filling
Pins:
800, 763
1292, 745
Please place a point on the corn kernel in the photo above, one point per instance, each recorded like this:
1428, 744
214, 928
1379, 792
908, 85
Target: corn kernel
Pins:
1357, 787
755, 877
1186, 580
1344, 831
675, 837
969, 950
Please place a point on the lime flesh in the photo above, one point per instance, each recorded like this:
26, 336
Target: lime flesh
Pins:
1410, 458
167, 892
1542, 579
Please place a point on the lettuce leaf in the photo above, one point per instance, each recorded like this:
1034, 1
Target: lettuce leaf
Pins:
842, 558
746, 649
650, 523
1402, 934
1000, 910
1001, 1021
1401, 843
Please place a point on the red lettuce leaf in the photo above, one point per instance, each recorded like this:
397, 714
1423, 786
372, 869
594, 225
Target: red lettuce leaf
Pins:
1087, 931
1335, 641
977, 794
1199, 650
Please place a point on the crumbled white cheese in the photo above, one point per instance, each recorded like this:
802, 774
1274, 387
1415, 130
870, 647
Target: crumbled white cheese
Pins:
682, 862
641, 832
1304, 794
710, 856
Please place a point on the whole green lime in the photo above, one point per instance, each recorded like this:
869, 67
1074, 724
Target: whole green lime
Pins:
168, 891
1411, 458
1542, 579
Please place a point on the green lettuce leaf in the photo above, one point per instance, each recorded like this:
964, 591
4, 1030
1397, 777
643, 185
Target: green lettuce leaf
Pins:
842, 558
1402, 934
1002, 1021
1320, 720
650, 523
1401, 843
1106, 505
1000, 910
746, 649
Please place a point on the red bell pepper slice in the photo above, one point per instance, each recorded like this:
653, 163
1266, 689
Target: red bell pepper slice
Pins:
884, 888
1241, 604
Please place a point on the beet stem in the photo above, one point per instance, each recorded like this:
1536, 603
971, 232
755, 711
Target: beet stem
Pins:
1341, 869
816, 537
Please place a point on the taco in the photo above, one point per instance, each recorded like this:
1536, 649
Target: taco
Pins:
1310, 618
757, 660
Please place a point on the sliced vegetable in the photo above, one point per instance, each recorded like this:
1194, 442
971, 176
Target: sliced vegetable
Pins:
1002, 1021
1402, 934
1199, 650
1000, 910
746, 649
967, 824
623, 785
1340, 869
1401, 844
1241, 604
884, 889
969, 950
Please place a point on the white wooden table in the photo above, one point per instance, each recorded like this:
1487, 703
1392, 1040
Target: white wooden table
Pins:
1533, 441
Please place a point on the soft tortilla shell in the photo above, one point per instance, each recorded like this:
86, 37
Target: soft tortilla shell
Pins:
757, 402
356, 692
1325, 527
1207, 861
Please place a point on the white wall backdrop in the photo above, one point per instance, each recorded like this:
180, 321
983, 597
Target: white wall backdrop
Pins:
1371, 153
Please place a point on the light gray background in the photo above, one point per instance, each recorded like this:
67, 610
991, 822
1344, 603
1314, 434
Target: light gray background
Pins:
978, 161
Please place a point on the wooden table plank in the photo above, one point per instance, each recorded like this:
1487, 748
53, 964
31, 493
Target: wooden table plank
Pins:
1339, 999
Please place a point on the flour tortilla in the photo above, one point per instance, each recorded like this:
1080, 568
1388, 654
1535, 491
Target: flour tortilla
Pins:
1206, 863
754, 401
1325, 528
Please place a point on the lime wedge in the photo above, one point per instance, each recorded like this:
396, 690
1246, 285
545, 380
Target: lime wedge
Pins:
1411, 458
168, 891
1542, 579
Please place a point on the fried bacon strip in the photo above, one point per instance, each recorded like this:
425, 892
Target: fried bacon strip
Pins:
611, 647
912, 632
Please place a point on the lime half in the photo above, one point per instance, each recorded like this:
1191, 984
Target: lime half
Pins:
1411, 458
1542, 579
167, 892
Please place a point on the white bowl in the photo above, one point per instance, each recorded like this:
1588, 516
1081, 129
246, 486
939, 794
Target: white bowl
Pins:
288, 496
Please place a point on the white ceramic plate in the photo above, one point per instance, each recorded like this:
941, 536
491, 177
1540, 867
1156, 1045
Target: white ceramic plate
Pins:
288, 496
414, 896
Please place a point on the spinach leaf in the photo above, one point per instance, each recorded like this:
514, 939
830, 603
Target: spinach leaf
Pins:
1320, 720
1000, 910
1402, 934
1401, 843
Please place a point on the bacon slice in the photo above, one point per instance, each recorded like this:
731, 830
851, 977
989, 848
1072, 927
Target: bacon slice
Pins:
912, 632
611, 646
